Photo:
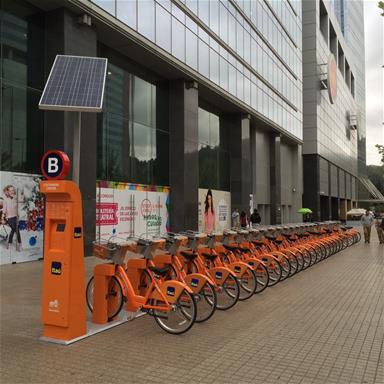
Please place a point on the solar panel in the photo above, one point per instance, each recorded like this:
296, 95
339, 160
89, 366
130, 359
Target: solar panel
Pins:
76, 83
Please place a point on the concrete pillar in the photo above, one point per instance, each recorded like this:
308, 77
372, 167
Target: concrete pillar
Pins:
311, 197
275, 151
183, 154
239, 132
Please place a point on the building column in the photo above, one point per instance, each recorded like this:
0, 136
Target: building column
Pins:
275, 153
239, 131
64, 35
311, 174
183, 154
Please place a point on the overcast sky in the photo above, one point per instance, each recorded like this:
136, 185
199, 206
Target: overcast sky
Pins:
374, 60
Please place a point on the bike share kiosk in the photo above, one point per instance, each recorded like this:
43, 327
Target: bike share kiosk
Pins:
63, 301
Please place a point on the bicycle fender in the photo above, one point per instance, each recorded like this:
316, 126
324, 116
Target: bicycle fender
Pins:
254, 262
170, 290
219, 274
196, 281
239, 268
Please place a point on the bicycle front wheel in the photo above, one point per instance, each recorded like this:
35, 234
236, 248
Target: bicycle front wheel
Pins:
227, 293
206, 301
247, 283
262, 278
180, 318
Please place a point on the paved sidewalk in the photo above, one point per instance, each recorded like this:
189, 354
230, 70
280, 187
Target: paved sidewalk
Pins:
324, 325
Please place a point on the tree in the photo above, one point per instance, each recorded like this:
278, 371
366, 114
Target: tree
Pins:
380, 148
381, 6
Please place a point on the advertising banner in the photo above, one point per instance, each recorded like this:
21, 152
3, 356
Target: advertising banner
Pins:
124, 209
21, 218
219, 218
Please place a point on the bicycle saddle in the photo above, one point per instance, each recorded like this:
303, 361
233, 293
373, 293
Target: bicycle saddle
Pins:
160, 271
231, 247
188, 255
209, 256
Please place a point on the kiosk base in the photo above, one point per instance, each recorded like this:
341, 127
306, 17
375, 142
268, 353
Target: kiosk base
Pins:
94, 329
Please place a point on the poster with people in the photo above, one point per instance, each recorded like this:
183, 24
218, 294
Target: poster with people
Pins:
21, 218
214, 210
124, 209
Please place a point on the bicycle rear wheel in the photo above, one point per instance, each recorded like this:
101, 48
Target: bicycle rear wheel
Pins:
180, 318
115, 297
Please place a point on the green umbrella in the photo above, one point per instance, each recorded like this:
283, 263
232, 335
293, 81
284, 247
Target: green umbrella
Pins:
304, 210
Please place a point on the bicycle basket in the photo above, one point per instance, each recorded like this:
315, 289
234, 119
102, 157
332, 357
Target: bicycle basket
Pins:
109, 251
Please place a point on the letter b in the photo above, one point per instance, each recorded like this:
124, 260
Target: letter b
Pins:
53, 165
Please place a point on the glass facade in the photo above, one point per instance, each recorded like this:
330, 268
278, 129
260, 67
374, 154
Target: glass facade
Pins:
132, 141
21, 71
214, 158
250, 49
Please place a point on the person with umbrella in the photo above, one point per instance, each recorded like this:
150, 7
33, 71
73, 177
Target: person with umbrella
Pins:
307, 214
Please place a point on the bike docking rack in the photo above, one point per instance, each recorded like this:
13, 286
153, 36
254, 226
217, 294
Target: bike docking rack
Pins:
136, 279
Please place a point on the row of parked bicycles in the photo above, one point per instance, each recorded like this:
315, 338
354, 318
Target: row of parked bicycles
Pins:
183, 278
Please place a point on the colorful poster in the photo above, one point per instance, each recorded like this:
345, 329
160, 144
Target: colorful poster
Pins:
124, 209
218, 218
21, 218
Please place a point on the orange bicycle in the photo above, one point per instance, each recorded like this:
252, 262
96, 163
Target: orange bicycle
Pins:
170, 302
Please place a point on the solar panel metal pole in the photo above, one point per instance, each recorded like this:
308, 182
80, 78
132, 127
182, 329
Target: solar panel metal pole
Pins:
76, 148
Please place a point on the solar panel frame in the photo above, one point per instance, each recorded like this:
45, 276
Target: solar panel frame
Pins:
62, 82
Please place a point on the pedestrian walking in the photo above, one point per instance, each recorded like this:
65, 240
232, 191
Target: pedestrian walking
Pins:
367, 221
243, 219
255, 218
379, 224
235, 218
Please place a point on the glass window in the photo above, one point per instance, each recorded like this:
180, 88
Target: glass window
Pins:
247, 47
214, 165
165, 3
214, 66
240, 85
127, 12
191, 49
131, 148
144, 100
247, 90
178, 13
203, 123
108, 5
232, 32
191, 25
240, 40
204, 11
192, 5
203, 59
214, 15
223, 23
178, 39
22, 123
163, 28
232, 80
146, 18
224, 73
